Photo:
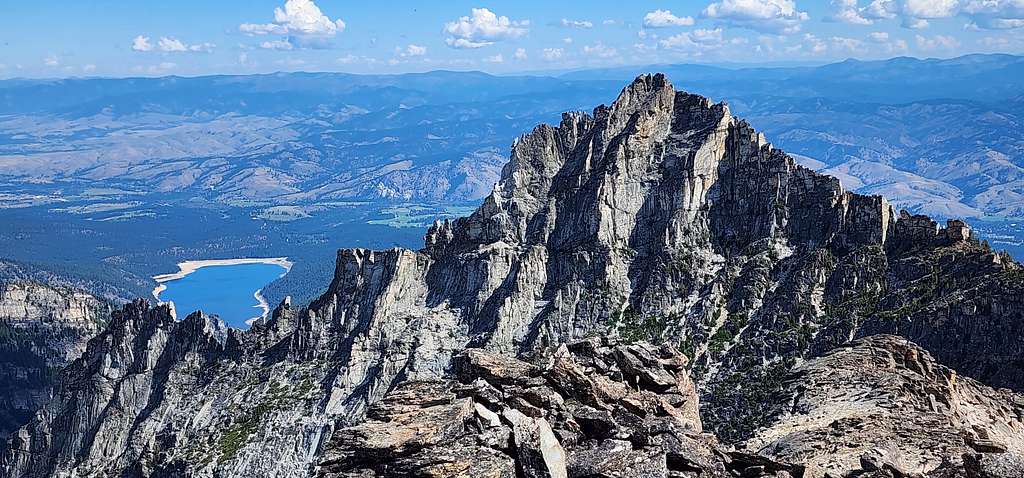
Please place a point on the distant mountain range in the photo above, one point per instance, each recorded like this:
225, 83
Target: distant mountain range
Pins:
986, 78
290, 138
942, 137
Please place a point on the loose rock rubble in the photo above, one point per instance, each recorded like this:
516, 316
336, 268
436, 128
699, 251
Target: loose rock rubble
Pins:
595, 408
882, 406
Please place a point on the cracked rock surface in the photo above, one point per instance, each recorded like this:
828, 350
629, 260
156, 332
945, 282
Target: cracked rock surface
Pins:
591, 409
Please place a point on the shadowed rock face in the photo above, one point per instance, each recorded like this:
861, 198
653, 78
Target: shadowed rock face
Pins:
660, 218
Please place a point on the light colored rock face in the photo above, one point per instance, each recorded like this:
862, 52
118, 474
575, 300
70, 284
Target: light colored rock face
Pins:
42, 329
634, 208
24, 303
884, 402
880, 407
661, 217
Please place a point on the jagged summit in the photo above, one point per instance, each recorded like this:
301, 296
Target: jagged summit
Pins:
656, 150
660, 218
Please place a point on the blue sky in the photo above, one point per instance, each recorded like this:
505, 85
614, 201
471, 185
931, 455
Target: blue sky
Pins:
49, 38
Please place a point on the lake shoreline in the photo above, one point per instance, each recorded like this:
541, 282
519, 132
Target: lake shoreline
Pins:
188, 267
263, 305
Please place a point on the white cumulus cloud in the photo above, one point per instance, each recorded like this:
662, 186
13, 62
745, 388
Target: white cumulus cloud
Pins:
694, 43
411, 50
552, 54
912, 13
141, 43
846, 43
847, 11
665, 18
482, 28
173, 45
415, 50
772, 16
520, 54
937, 42
880, 10
888, 44
994, 14
302, 22
283, 45
916, 13
298, 17
926, 9
814, 44
170, 45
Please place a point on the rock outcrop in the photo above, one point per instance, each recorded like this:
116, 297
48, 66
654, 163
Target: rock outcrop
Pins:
42, 329
883, 403
665, 218
660, 218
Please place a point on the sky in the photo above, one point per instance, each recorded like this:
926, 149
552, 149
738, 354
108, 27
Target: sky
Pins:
71, 38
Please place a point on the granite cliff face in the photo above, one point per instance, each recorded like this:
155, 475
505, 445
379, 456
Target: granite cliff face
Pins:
661, 218
42, 329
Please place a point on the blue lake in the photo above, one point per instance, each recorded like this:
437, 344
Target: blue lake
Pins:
224, 290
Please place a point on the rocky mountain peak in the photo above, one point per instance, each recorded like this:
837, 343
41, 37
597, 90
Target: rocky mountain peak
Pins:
668, 161
661, 218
